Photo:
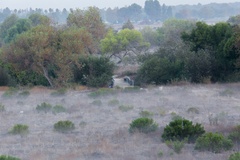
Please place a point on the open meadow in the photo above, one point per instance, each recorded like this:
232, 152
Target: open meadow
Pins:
102, 121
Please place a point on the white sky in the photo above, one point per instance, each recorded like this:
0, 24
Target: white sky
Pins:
60, 4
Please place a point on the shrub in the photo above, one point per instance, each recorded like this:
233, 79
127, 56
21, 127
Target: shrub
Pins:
97, 103
95, 71
58, 109
193, 110
144, 125
213, 142
10, 92
19, 129
125, 108
4, 77
146, 114
64, 126
24, 94
44, 107
234, 156
177, 146
181, 129
113, 102
235, 135
5, 157
2, 108
59, 92
102, 92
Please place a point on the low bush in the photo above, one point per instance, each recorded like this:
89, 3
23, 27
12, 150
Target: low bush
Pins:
44, 107
58, 109
213, 142
193, 110
234, 156
113, 102
102, 92
146, 114
59, 92
181, 129
24, 94
5, 157
144, 125
64, 126
10, 92
2, 108
235, 135
177, 146
97, 103
19, 129
125, 108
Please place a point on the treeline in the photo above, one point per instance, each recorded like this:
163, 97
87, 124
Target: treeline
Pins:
36, 51
151, 12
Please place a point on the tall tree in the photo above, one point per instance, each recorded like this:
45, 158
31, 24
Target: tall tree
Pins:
153, 9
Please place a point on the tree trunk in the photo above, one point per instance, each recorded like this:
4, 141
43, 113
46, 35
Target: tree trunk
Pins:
45, 73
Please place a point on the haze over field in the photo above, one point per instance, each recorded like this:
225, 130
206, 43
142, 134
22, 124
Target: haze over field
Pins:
23, 4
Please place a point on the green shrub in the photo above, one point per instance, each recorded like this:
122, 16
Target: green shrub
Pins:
19, 129
144, 125
10, 92
113, 102
64, 126
181, 129
4, 77
94, 72
132, 89
177, 146
2, 108
235, 135
102, 92
176, 117
97, 103
234, 156
146, 114
44, 107
59, 92
5, 157
125, 108
193, 110
24, 94
58, 109
213, 142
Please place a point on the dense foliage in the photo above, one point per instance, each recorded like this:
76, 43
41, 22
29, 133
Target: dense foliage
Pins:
181, 129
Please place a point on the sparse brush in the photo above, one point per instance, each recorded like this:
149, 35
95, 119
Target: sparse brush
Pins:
102, 92
125, 108
59, 92
2, 108
10, 93
97, 103
177, 145
19, 129
113, 102
82, 124
64, 126
146, 114
226, 92
44, 107
132, 89
234, 156
58, 109
23, 94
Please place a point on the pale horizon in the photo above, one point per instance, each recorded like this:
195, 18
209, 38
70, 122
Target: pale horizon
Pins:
60, 4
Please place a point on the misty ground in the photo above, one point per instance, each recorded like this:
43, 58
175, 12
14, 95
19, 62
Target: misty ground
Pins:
102, 130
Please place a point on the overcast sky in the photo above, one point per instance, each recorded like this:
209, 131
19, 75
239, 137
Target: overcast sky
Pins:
45, 4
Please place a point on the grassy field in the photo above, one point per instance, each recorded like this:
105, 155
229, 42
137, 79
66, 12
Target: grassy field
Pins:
102, 122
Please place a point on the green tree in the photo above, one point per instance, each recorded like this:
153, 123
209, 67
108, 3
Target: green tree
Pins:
153, 9
8, 23
128, 25
124, 43
38, 19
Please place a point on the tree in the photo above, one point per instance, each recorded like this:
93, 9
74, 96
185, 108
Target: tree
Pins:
38, 19
153, 9
128, 25
124, 43
8, 23
37, 50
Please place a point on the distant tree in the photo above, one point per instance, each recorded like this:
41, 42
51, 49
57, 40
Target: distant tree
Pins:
38, 19
150, 35
153, 9
128, 25
124, 43
8, 23
234, 20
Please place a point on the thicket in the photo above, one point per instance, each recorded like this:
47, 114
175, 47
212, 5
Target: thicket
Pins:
181, 129
213, 142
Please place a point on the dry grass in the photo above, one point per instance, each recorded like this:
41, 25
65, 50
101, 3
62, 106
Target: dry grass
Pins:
105, 135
